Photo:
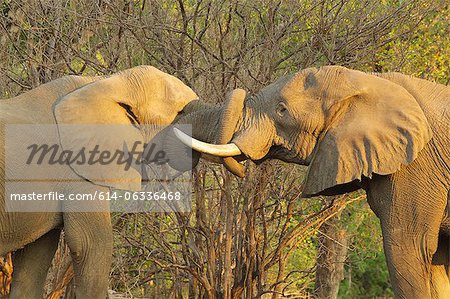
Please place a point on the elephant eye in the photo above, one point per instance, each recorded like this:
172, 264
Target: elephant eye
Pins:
281, 109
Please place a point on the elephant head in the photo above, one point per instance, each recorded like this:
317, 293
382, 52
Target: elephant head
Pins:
346, 125
127, 104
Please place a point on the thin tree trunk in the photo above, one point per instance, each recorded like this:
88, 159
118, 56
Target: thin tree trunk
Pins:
228, 274
331, 255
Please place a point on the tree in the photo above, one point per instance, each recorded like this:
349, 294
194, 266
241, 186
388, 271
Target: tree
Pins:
244, 238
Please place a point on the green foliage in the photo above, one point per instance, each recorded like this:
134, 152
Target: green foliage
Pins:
366, 274
424, 53
369, 279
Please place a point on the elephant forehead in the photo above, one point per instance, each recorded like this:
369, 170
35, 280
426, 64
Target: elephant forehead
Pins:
301, 85
178, 92
162, 96
170, 98
159, 86
299, 99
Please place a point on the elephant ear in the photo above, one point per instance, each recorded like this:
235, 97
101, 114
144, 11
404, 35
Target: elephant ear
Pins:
98, 118
111, 117
378, 127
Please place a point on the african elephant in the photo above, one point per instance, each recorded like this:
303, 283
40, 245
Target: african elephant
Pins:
388, 134
134, 97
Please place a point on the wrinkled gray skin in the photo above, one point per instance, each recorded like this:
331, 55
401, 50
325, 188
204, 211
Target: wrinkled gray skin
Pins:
385, 133
142, 95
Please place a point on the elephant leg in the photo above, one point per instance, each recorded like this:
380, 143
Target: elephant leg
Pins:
89, 237
31, 265
410, 221
440, 262
409, 271
440, 285
409, 261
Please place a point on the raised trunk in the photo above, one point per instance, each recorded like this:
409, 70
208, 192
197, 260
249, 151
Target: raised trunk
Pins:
210, 124
232, 113
204, 121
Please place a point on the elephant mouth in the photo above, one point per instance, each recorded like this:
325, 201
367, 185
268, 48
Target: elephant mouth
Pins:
280, 153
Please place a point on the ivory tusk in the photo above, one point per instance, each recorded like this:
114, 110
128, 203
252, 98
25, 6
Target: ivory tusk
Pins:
218, 150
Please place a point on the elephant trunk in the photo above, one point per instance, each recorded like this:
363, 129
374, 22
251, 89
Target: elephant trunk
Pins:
210, 124
232, 113
204, 121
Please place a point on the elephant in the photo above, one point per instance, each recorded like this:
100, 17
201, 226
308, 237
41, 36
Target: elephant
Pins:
134, 98
385, 133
